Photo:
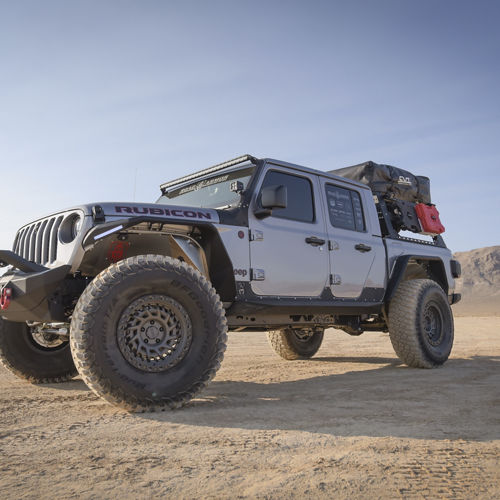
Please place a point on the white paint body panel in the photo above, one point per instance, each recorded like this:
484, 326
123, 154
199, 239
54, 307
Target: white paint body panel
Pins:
356, 270
292, 267
237, 248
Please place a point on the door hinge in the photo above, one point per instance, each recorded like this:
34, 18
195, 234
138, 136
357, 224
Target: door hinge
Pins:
335, 279
333, 245
256, 235
257, 274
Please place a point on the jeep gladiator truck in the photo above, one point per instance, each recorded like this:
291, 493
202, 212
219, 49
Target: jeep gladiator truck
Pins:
137, 298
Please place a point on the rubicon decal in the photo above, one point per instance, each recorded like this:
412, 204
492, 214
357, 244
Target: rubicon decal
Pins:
180, 213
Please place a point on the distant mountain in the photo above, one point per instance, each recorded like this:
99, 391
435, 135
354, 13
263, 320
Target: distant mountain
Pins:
480, 282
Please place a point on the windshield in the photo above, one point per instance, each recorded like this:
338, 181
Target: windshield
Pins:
209, 192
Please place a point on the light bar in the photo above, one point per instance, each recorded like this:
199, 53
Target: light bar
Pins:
110, 231
215, 168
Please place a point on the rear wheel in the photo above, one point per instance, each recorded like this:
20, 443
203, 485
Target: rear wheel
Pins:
149, 332
421, 324
292, 344
34, 355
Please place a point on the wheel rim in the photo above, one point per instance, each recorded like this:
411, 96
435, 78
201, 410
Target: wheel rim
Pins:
48, 340
45, 340
303, 335
154, 333
433, 325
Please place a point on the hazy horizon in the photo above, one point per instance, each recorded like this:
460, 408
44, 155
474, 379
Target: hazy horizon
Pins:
101, 100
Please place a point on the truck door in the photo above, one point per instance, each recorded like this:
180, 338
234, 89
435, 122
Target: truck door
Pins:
289, 249
353, 248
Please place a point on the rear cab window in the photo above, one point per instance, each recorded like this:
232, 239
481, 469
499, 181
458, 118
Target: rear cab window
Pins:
345, 209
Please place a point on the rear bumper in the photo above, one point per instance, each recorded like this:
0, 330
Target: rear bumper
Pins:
30, 290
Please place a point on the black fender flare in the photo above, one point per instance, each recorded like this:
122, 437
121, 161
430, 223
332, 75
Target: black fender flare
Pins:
220, 268
399, 270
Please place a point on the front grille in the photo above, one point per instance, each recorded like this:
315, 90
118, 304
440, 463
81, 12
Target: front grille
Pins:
37, 242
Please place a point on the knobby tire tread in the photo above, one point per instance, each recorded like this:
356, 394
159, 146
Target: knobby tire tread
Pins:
8, 359
403, 322
82, 343
283, 345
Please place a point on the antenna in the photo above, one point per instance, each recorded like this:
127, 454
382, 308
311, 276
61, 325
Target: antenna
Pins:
135, 183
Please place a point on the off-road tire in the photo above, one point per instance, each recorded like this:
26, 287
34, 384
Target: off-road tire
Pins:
27, 359
288, 344
420, 324
105, 360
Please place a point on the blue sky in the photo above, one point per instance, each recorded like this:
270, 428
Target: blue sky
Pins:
94, 92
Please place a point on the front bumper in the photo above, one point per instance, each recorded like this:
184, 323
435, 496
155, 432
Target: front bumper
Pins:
31, 290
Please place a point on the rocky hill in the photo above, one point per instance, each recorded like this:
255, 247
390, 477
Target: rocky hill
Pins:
480, 282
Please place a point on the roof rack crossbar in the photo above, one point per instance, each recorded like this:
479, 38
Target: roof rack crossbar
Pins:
210, 170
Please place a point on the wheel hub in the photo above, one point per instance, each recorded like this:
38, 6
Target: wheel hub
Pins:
154, 333
303, 335
433, 325
47, 340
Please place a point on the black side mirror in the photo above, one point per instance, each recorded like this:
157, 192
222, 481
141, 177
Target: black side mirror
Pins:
271, 197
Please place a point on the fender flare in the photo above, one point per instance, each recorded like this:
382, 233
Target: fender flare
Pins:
217, 264
399, 270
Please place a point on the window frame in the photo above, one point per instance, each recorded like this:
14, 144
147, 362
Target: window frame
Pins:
351, 191
313, 200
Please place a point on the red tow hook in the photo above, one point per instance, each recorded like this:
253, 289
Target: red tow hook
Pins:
5, 298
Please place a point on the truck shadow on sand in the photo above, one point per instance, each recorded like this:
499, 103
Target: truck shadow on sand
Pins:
458, 401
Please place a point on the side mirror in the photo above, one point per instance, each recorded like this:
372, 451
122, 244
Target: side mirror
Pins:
271, 197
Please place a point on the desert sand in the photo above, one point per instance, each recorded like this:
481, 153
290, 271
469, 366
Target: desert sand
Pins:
350, 423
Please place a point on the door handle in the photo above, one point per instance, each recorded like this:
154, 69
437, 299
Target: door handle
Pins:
315, 242
362, 247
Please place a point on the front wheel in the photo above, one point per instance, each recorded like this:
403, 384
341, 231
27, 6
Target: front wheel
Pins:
292, 344
148, 333
34, 355
420, 324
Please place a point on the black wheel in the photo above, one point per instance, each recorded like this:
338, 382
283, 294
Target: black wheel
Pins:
421, 324
295, 344
33, 355
148, 333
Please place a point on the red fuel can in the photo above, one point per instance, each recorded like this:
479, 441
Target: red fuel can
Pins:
429, 219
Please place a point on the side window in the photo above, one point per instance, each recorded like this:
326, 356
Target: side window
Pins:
300, 204
344, 208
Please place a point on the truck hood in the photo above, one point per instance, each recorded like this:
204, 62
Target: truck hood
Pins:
132, 209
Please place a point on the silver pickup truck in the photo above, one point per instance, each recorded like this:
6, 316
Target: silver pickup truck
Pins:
137, 297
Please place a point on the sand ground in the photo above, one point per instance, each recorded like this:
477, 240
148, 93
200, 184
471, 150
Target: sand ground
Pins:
351, 423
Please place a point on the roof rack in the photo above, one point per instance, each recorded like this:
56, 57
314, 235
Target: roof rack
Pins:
210, 170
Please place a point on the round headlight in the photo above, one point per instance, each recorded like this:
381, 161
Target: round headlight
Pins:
70, 228
76, 225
